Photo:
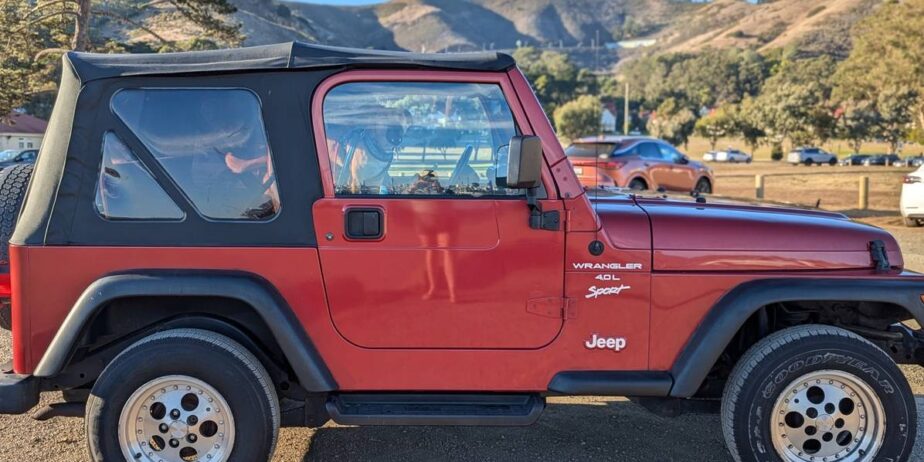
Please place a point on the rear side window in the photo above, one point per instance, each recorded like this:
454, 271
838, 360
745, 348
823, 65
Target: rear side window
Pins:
127, 190
211, 142
592, 149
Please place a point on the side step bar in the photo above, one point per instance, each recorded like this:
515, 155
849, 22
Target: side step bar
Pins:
435, 409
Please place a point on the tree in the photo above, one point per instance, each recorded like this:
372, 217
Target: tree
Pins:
580, 117
895, 110
857, 124
553, 76
672, 122
34, 33
795, 103
715, 125
887, 56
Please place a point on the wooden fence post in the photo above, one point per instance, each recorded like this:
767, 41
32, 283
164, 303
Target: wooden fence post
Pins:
759, 186
864, 193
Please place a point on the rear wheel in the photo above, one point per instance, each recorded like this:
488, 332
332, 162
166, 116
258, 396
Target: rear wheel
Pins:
832, 162
638, 184
912, 222
808, 162
818, 393
180, 395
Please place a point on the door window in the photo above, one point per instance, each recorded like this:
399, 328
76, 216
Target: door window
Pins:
649, 151
418, 138
670, 154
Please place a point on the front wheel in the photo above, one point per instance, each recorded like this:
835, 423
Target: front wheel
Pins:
181, 395
703, 186
818, 393
832, 162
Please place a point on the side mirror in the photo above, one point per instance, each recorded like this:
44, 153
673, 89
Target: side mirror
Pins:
524, 163
683, 160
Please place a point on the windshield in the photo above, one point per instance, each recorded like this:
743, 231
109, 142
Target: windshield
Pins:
8, 155
592, 149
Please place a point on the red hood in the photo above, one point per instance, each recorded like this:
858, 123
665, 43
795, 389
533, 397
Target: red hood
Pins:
687, 236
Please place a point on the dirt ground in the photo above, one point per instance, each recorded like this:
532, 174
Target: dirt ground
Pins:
585, 429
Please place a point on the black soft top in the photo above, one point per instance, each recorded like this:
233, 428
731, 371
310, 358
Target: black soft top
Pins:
292, 55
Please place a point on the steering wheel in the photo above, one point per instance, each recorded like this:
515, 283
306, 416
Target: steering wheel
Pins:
461, 165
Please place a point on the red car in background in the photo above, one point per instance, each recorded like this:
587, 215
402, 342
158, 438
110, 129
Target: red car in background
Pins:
638, 163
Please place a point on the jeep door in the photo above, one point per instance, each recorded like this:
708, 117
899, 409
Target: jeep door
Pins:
418, 245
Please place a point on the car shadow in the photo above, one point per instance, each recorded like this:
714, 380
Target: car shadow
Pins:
585, 429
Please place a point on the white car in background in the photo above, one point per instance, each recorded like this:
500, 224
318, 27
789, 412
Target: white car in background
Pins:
733, 156
811, 156
912, 201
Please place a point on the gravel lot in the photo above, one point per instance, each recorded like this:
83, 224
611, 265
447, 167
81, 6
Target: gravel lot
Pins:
585, 429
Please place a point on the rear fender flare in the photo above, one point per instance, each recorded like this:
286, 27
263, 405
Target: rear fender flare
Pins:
726, 317
251, 289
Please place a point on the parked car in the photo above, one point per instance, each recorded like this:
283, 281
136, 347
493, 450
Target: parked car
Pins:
912, 199
882, 159
732, 156
709, 156
854, 159
912, 161
811, 156
17, 156
219, 244
639, 163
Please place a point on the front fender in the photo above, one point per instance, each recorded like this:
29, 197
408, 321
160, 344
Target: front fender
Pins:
724, 320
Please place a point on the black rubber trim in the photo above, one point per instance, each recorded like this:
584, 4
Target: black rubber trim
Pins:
435, 409
612, 383
18, 393
725, 318
307, 364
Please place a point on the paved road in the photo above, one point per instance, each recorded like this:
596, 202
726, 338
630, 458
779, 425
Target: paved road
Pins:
584, 429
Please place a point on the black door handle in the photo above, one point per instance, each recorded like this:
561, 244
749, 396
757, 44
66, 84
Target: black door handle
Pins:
364, 223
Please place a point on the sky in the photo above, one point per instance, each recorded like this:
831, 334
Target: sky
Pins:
343, 2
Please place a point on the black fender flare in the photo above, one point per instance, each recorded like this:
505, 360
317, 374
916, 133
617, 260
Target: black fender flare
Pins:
720, 324
248, 288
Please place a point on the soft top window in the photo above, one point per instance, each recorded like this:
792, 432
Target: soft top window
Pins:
211, 142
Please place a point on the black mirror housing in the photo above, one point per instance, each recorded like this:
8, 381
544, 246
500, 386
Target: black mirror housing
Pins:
524, 165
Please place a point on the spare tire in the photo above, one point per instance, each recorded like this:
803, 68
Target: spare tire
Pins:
13, 183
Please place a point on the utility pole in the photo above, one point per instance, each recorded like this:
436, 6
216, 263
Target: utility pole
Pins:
597, 53
625, 121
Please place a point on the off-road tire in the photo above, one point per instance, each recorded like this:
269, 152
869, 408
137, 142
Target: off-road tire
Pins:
773, 363
218, 361
13, 183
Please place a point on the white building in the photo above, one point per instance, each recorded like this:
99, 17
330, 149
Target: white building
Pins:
22, 131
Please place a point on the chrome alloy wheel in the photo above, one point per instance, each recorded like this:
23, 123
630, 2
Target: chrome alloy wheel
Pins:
828, 416
176, 418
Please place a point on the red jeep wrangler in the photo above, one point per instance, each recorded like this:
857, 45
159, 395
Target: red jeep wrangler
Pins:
215, 244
